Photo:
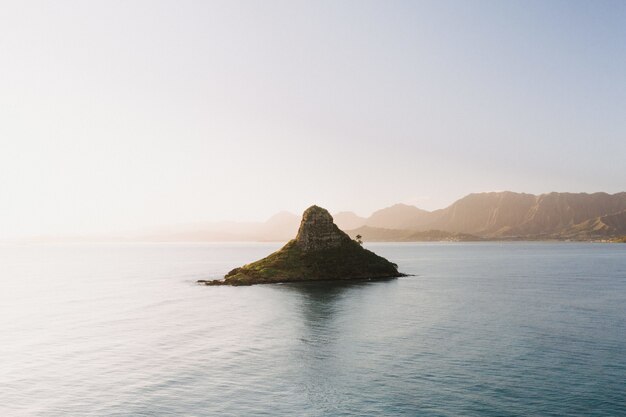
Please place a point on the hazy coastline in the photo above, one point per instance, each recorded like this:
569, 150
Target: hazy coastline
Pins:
494, 216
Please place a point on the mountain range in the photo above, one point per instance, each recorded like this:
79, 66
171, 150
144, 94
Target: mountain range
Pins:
481, 216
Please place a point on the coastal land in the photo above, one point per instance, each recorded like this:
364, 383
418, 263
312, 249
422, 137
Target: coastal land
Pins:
491, 216
506, 216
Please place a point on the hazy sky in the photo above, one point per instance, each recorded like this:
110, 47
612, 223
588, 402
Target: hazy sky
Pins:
127, 114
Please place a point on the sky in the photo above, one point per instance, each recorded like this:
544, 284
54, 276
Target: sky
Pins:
123, 115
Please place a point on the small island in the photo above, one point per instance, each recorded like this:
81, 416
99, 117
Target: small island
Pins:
320, 252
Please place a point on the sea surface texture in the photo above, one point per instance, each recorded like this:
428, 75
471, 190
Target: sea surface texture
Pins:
482, 329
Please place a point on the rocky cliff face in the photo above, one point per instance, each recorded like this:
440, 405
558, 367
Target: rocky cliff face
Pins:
319, 252
317, 231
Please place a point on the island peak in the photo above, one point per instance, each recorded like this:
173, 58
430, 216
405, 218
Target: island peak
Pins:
318, 231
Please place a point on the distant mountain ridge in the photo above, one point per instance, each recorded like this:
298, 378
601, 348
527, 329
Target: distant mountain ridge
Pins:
399, 216
481, 216
498, 215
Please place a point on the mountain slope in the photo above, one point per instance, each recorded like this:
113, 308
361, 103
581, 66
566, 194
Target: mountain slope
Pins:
485, 214
347, 220
399, 216
507, 214
600, 227
554, 213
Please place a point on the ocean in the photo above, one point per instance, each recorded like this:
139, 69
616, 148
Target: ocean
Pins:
480, 329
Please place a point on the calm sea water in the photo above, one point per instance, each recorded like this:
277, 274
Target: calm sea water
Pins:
482, 329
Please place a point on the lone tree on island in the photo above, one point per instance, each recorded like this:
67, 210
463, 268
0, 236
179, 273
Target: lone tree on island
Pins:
359, 239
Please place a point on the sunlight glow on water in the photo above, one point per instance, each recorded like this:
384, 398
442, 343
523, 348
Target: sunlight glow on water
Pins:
482, 329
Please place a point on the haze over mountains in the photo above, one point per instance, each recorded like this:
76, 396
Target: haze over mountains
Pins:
494, 215
508, 215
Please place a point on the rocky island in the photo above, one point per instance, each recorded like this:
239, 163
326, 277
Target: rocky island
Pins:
320, 252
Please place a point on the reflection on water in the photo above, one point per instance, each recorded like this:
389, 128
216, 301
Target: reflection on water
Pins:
326, 343
320, 301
